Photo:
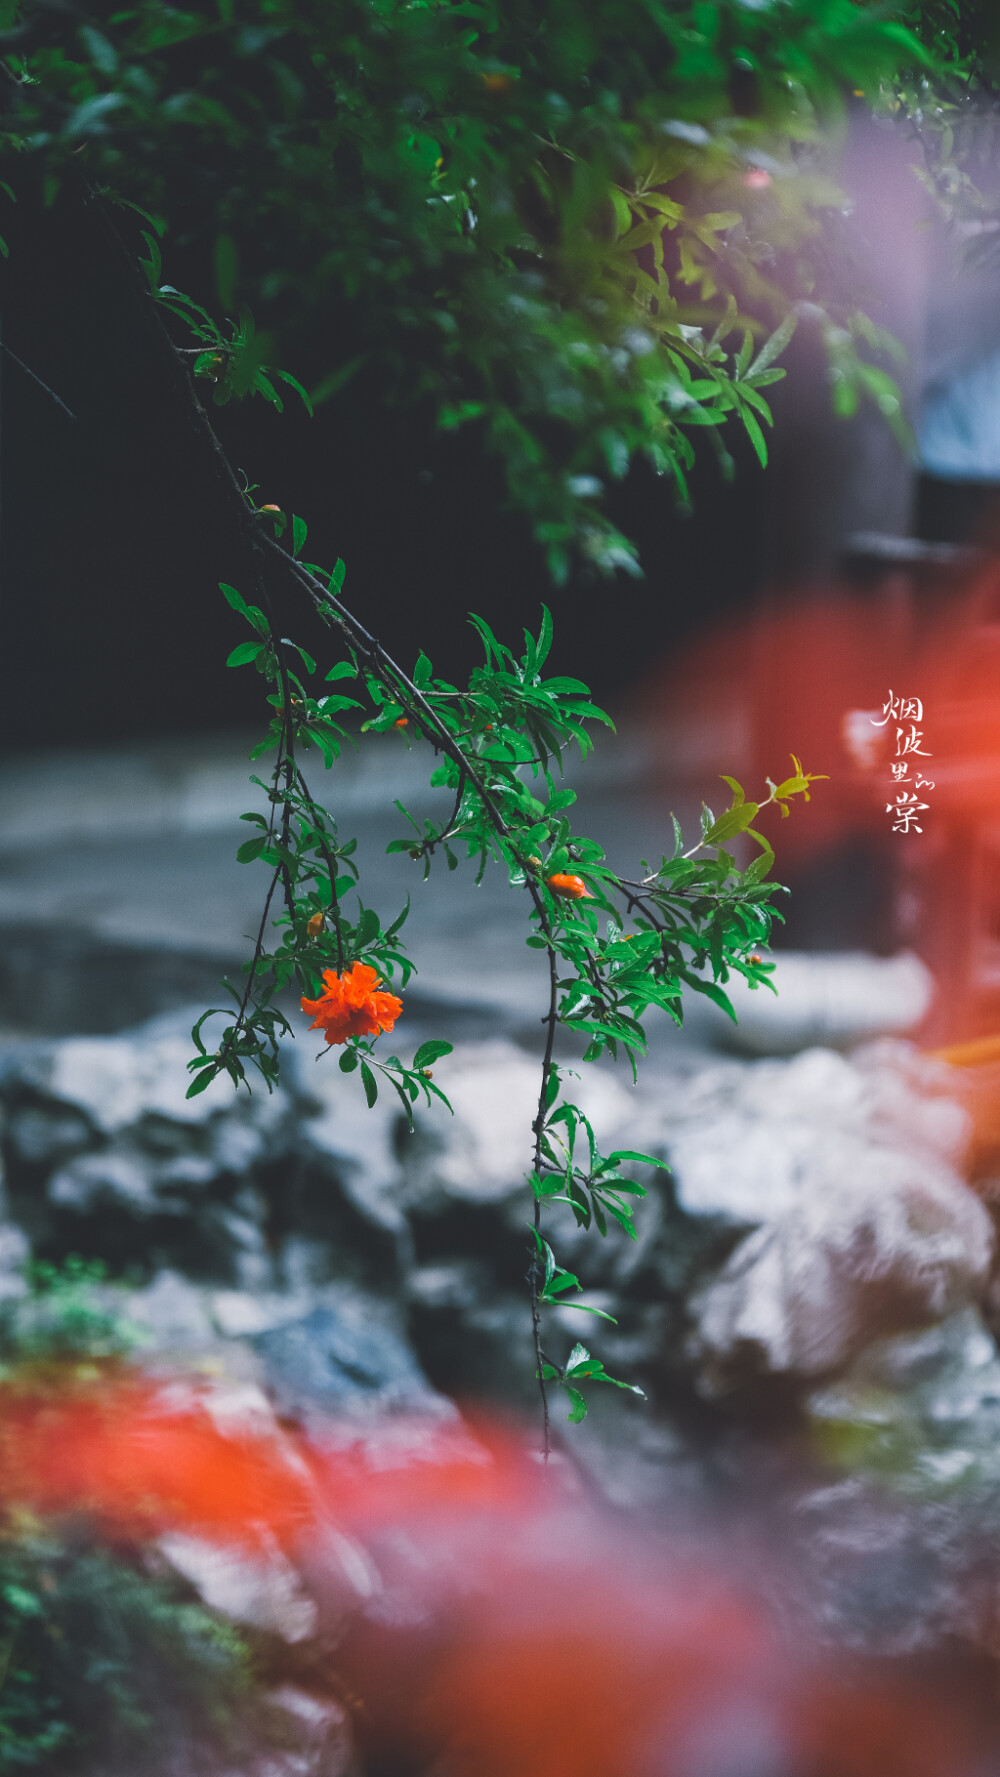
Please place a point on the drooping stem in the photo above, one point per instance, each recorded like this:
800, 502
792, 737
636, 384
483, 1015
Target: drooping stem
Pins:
550, 1021
258, 949
264, 551
331, 865
287, 746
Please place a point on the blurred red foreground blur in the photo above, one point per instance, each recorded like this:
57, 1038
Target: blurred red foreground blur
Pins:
514, 1632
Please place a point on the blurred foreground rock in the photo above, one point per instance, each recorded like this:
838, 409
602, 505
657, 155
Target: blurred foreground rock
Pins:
336, 1273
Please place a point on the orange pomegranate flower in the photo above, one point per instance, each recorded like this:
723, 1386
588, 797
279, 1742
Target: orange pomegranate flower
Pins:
350, 1006
572, 888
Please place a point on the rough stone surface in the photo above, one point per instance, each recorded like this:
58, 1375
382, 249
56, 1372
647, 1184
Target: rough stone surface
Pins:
344, 1361
319, 1729
814, 1203
920, 1409
846, 1173
745, 1140
480, 1158
900, 1545
893, 1243
256, 1590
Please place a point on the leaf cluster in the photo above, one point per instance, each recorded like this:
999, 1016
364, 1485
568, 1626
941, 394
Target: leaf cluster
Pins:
581, 1367
102, 1663
501, 742
586, 232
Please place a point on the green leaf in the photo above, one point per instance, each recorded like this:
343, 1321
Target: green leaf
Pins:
745, 354
762, 865
344, 669
755, 435
251, 849
200, 1083
621, 1154
578, 1409
773, 347
735, 820
300, 531
544, 639
287, 377
712, 992
370, 1084
310, 666
238, 603
431, 1051
245, 652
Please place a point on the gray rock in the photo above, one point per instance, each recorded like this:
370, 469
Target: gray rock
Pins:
136, 1083
838, 1181
106, 1180
319, 1729
482, 1158
920, 1410
876, 1239
171, 1312
357, 1144
44, 1133
14, 1255
901, 1548
237, 1314
345, 1360
745, 1142
117, 1080
258, 1589
887, 1575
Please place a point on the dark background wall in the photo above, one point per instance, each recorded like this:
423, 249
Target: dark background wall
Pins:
114, 539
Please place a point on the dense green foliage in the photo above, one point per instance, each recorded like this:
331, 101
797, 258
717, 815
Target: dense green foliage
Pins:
573, 227
105, 1663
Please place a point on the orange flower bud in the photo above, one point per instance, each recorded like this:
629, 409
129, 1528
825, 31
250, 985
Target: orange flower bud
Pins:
270, 508
315, 925
572, 888
401, 722
497, 83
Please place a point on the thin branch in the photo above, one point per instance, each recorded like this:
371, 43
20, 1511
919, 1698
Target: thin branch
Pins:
259, 543
331, 865
551, 1019
37, 380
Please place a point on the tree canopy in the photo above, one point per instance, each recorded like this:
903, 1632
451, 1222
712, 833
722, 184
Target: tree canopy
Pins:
587, 231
